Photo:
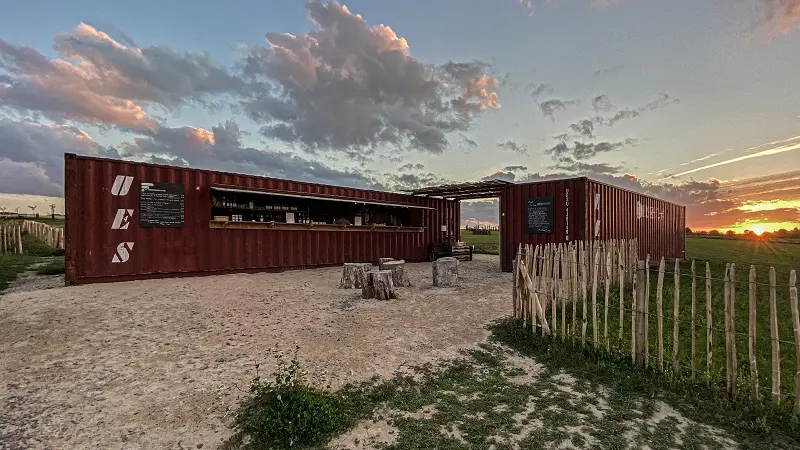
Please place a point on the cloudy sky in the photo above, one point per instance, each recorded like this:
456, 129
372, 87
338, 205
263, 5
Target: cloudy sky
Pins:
694, 101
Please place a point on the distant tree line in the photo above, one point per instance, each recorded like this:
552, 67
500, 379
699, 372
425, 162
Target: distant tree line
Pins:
749, 234
5, 212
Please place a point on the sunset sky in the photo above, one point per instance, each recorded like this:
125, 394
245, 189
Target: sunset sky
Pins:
693, 101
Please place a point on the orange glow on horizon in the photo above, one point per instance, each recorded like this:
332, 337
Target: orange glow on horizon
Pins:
757, 228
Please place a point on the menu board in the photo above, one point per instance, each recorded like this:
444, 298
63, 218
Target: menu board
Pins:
539, 215
161, 205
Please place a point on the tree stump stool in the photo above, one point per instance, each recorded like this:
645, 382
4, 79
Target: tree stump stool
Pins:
445, 272
378, 284
353, 275
399, 276
381, 261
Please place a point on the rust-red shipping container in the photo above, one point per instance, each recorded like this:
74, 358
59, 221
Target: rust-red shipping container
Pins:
585, 209
106, 242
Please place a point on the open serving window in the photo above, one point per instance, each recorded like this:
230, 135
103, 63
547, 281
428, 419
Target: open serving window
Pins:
243, 208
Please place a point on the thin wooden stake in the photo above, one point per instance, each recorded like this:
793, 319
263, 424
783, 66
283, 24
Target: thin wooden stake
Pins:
608, 293
621, 275
20, 250
734, 356
647, 311
531, 264
751, 341
773, 331
553, 266
728, 370
584, 293
709, 332
796, 319
562, 257
634, 312
595, 317
660, 314
639, 313
676, 369
573, 270
694, 306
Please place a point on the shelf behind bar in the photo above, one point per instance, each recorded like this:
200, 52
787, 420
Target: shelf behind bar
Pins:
232, 225
222, 188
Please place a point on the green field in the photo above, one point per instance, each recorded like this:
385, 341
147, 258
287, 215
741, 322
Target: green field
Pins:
489, 245
57, 222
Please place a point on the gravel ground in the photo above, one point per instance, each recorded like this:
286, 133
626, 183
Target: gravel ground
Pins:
151, 364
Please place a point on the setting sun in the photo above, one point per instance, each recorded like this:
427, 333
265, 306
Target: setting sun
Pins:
759, 230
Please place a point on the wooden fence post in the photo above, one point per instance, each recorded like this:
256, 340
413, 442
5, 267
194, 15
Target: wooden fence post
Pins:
584, 294
621, 275
20, 250
734, 356
573, 262
647, 311
532, 266
773, 331
638, 312
796, 319
595, 318
608, 293
709, 332
562, 258
676, 369
694, 306
634, 292
514, 286
660, 314
728, 328
553, 263
751, 335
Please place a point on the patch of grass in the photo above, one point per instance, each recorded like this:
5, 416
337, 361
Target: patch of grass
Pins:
286, 412
53, 267
12, 265
35, 247
753, 426
491, 397
486, 244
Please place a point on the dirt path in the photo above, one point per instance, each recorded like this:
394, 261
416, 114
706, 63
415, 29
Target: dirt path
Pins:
501, 400
29, 280
150, 363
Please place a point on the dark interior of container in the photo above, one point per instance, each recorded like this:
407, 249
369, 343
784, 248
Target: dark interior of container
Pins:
260, 207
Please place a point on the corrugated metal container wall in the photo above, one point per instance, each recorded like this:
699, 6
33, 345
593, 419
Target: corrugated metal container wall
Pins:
595, 211
196, 248
568, 196
615, 213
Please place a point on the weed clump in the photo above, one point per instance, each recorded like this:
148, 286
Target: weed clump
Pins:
55, 267
286, 412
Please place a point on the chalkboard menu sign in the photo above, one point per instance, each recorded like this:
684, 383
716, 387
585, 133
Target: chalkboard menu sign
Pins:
539, 217
161, 205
